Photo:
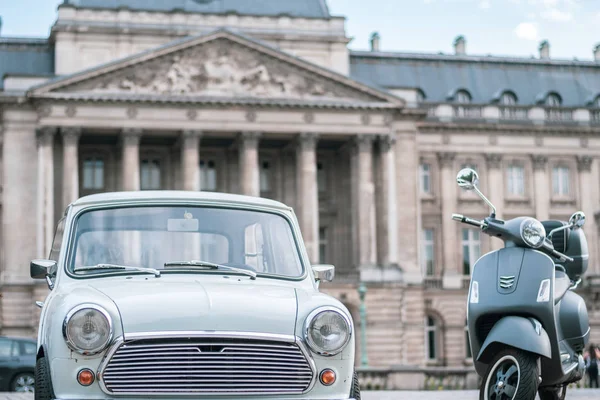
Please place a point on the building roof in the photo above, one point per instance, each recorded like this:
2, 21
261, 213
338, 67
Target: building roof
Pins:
173, 196
485, 78
294, 8
25, 56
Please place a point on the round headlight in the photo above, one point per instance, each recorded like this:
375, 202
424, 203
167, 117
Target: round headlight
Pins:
533, 232
327, 331
88, 329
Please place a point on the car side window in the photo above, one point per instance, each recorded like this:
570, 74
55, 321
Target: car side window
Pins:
6, 347
28, 348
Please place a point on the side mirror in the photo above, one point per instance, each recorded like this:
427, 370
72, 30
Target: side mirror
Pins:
577, 220
467, 179
324, 272
40, 269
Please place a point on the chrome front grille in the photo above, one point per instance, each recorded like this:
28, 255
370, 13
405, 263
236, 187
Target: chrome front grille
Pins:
207, 365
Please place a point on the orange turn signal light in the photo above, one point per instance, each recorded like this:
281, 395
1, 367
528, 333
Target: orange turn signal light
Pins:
86, 377
327, 377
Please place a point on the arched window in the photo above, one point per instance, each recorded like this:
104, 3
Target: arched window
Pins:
508, 99
553, 100
208, 175
432, 338
462, 97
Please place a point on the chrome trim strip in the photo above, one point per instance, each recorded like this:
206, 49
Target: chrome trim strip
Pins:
68, 317
205, 334
309, 320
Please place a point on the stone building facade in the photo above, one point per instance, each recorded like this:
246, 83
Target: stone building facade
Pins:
267, 100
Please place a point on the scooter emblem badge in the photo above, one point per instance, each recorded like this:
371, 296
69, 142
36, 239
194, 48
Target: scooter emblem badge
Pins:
506, 282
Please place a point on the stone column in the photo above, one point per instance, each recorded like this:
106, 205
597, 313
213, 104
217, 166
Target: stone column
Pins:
130, 167
495, 187
450, 243
388, 215
364, 213
45, 137
190, 160
70, 165
249, 168
308, 194
541, 187
587, 203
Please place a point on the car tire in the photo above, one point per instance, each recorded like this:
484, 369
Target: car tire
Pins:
22, 383
514, 373
355, 391
43, 381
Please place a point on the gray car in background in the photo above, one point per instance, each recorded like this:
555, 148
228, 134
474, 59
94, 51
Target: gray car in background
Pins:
17, 364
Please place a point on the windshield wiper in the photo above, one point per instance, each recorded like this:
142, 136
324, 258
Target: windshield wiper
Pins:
115, 266
206, 264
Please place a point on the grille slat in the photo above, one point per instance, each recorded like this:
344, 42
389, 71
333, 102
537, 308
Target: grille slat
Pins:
207, 365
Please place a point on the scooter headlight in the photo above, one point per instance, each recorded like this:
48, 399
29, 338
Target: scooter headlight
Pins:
533, 232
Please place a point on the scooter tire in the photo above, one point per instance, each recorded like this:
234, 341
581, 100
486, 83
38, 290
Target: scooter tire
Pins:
553, 393
520, 383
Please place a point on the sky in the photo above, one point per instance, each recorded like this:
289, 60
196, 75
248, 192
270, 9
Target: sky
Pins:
498, 27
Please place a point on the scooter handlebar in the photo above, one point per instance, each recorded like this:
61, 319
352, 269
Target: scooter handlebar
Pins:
467, 220
562, 257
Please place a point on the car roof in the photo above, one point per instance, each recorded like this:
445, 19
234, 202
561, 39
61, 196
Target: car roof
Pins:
177, 196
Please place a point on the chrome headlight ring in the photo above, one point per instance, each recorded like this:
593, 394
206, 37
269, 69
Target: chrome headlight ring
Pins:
531, 227
69, 340
308, 322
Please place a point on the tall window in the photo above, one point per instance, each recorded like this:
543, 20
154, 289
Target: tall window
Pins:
468, 353
150, 174
321, 178
428, 252
508, 99
208, 175
425, 178
93, 173
471, 245
322, 244
265, 176
462, 97
560, 180
516, 180
431, 338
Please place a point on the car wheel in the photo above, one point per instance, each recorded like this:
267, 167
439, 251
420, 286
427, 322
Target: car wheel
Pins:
43, 382
355, 391
512, 375
553, 393
23, 383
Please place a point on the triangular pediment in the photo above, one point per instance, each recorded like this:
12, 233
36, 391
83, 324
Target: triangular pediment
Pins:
222, 64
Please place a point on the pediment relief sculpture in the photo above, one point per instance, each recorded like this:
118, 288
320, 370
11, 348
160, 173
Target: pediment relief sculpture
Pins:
221, 68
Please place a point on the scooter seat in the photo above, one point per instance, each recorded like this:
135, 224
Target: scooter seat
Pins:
561, 285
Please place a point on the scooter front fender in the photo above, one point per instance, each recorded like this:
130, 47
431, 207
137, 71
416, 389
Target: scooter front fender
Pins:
522, 333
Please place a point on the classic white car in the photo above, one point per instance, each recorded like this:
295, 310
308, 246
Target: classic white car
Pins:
160, 295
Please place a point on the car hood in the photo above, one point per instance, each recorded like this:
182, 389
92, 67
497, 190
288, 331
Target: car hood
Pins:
236, 305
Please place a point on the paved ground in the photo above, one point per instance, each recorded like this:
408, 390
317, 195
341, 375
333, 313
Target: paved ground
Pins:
583, 394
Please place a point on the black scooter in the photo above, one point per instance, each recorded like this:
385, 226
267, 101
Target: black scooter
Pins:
527, 327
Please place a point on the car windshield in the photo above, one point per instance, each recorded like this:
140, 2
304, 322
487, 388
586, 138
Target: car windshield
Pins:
150, 237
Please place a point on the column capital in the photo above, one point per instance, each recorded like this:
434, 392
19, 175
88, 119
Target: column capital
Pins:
493, 160
45, 135
191, 133
386, 142
539, 162
446, 159
307, 141
584, 163
250, 137
131, 136
71, 135
363, 143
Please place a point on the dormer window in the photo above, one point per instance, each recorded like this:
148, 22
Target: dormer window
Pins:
462, 97
508, 99
420, 96
553, 100
596, 103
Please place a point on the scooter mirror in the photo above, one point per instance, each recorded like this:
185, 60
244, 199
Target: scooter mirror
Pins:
467, 179
577, 219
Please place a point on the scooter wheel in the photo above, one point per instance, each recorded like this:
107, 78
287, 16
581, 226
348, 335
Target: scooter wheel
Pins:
512, 375
553, 393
